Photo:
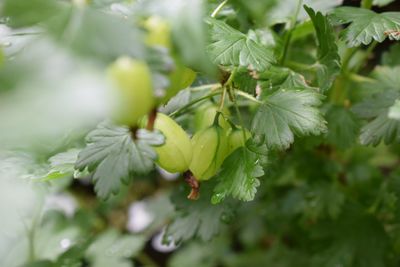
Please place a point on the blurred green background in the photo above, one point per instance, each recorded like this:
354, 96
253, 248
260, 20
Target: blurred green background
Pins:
327, 201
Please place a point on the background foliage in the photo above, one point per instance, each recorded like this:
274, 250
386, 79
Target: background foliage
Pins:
316, 82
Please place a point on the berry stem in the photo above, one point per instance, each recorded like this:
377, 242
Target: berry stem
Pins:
183, 109
222, 100
233, 126
216, 118
248, 96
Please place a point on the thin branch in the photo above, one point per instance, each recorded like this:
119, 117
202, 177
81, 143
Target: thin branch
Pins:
218, 9
210, 86
183, 109
359, 78
289, 33
240, 117
248, 96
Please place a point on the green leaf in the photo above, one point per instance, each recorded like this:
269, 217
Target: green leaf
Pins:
281, 78
365, 25
40, 263
256, 10
114, 157
160, 209
394, 111
347, 241
257, 145
20, 203
284, 10
302, 30
96, 34
199, 255
176, 102
51, 233
328, 64
380, 127
286, 113
342, 127
197, 218
278, 254
388, 77
376, 109
23, 13
232, 48
265, 36
74, 255
189, 32
114, 249
381, 3
64, 162
238, 176
62, 165
245, 82
392, 57
86, 31
323, 200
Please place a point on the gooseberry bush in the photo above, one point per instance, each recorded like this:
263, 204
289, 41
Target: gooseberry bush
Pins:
200, 133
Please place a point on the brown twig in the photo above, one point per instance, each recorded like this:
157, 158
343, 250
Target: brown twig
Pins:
194, 185
152, 119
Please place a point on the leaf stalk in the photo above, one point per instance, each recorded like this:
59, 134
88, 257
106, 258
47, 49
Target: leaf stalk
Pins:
218, 9
183, 109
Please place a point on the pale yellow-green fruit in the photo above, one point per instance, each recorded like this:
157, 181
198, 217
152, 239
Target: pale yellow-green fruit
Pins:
175, 154
205, 114
133, 94
210, 148
158, 32
236, 138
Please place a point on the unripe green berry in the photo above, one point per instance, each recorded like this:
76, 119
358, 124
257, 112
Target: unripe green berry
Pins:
158, 32
175, 154
210, 147
205, 114
236, 138
133, 94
